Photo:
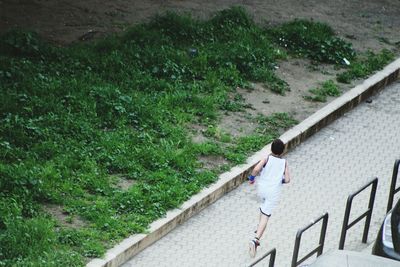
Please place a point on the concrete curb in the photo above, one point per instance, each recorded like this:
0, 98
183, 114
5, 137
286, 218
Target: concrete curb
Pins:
230, 180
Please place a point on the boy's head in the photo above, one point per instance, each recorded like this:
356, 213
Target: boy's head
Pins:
277, 147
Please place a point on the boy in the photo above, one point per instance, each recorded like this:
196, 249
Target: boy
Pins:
274, 173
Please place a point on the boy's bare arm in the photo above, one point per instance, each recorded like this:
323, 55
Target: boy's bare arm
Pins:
287, 174
258, 167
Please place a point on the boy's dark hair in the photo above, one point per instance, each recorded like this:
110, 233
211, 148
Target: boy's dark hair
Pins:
277, 147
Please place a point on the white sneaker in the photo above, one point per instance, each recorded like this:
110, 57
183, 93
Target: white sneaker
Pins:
253, 244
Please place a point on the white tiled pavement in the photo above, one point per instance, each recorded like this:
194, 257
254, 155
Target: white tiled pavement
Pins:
336, 161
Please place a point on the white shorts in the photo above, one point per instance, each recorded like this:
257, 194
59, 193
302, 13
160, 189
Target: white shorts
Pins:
268, 206
269, 196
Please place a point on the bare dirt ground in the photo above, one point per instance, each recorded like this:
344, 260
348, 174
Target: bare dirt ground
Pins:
367, 24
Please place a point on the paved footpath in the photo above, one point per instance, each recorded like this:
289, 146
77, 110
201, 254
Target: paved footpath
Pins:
336, 161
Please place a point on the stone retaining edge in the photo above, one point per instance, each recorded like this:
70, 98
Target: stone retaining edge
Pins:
238, 174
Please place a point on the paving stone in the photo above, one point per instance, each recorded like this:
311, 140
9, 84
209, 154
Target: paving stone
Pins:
334, 162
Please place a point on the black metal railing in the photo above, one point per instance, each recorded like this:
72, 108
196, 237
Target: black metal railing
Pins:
393, 189
272, 252
319, 249
346, 225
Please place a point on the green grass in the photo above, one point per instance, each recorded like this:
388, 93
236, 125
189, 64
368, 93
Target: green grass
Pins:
72, 118
270, 127
216, 133
237, 149
365, 65
320, 94
314, 40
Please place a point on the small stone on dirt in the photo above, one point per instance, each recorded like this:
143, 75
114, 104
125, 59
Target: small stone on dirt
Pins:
88, 35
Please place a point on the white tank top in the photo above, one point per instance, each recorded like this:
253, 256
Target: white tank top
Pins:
270, 182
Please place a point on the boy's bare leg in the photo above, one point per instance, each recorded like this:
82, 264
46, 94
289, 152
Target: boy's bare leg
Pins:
262, 225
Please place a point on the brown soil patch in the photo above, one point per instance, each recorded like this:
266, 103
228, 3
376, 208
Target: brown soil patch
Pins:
63, 218
66, 21
197, 133
237, 124
212, 162
122, 182
125, 184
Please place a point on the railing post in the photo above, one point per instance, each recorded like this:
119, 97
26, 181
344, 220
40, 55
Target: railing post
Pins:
322, 235
296, 248
345, 223
319, 249
370, 208
393, 185
271, 253
272, 258
368, 214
